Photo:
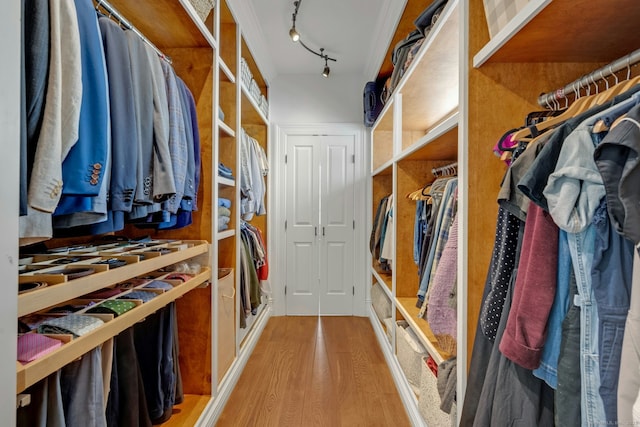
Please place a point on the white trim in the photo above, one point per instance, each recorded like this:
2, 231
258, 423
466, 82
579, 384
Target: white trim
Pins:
226, 128
382, 284
10, 46
214, 409
226, 70
389, 17
404, 389
463, 209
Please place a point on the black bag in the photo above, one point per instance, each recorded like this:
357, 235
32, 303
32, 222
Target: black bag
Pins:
372, 101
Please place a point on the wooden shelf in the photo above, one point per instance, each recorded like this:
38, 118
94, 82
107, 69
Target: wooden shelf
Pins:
227, 74
429, 88
441, 143
167, 23
566, 31
33, 372
226, 181
407, 307
385, 279
251, 112
226, 234
51, 295
226, 129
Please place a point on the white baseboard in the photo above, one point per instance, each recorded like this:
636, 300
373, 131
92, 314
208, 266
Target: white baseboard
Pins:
406, 394
212, 412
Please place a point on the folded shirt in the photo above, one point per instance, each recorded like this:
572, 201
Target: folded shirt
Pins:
222, 211
224, 202
223, 168
223, 220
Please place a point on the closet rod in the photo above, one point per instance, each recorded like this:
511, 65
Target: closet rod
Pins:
446, 168
627, 61
113, 12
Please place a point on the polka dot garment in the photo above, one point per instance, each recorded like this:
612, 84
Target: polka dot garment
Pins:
503, 262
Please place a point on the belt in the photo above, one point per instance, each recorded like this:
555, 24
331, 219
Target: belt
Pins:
73, 273
30, 286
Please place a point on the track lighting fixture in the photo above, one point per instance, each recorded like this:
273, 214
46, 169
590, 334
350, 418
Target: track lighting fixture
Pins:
295, 36
327, 70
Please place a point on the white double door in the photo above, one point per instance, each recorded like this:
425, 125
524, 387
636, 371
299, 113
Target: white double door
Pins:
320, 224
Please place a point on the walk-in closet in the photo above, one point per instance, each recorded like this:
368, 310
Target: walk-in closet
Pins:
250, 212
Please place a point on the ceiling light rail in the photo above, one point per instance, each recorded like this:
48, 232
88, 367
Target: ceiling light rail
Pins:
295, 37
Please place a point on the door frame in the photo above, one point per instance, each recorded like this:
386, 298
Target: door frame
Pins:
277, 265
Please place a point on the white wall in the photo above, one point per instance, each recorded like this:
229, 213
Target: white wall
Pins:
311, 98
9, 185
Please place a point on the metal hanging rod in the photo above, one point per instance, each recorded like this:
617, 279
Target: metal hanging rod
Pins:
627, 61
124, 22
446, 169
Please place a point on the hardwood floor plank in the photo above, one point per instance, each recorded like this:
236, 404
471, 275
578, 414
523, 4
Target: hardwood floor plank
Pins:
315, 371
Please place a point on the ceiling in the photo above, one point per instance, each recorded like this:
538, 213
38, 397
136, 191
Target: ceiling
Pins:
355, 32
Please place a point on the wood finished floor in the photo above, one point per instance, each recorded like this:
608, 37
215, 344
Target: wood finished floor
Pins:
315, 371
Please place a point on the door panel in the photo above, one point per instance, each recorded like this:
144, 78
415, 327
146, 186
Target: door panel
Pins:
337, 257
320, 258
302, 227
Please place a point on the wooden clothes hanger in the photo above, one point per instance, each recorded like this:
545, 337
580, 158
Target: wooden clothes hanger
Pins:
580, 105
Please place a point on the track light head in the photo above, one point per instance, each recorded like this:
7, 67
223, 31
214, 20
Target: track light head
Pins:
295, 36
326, 70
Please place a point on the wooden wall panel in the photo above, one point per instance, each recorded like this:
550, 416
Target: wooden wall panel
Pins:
228, 103
227, 152
226, 253
228, 43
382, 147
194, 330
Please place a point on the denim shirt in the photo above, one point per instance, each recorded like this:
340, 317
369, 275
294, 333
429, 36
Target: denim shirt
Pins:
574, 189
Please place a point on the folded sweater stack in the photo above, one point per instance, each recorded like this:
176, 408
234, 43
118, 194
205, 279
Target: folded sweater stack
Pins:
224, 213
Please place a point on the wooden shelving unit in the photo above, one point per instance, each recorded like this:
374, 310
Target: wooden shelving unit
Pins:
40, 299
33, 372
205, 52
417, 130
